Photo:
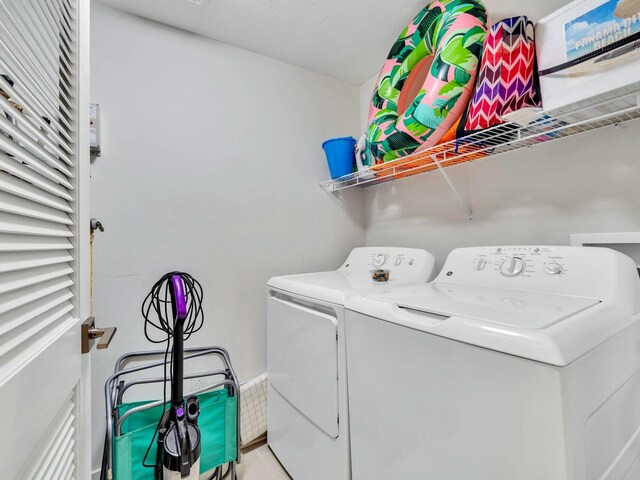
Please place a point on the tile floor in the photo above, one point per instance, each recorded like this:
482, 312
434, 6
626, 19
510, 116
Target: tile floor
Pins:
260, 464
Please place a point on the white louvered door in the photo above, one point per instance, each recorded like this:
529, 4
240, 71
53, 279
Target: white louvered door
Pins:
44, 162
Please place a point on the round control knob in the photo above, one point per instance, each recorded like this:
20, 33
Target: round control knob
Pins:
379, 260
553, 268
479, 264
512, 267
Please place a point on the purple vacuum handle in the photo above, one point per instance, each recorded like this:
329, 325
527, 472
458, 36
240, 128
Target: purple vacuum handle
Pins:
180, 297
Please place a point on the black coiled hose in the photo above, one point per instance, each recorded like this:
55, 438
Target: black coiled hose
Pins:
158, 304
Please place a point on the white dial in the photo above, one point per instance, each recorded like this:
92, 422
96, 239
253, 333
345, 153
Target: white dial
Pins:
553, 268
379, 260
512, 267
479, 264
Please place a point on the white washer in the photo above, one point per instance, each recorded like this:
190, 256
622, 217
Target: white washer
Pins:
308, 420
516, 363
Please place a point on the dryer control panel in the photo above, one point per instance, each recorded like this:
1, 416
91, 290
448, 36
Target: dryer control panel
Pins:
562, 270
404, 264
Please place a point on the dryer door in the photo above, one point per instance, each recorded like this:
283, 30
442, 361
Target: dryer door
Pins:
303, 356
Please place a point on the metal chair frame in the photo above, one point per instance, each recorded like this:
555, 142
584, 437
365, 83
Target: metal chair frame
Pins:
115, 388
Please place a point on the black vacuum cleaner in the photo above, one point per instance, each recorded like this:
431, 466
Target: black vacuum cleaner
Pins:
178, 437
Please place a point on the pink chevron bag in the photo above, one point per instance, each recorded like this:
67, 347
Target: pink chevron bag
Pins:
508, 79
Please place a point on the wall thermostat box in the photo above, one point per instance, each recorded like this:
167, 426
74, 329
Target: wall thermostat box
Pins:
94, 130
580, 29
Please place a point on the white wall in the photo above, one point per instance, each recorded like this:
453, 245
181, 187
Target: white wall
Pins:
366, 93
583, 184
211, 162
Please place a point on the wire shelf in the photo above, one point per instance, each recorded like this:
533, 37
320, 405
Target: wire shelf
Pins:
611, 109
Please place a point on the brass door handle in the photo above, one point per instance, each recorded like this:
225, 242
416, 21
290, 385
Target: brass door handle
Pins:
90, 333
104, 334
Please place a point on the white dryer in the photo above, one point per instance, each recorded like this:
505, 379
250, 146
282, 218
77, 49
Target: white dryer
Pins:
516, 363
308, 415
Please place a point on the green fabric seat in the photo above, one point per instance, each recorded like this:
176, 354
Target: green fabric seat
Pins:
218, 429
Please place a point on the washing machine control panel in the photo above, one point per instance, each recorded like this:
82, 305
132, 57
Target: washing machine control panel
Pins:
404, 264
568, 270
513, 262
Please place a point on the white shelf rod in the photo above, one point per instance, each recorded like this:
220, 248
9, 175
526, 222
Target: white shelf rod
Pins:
463, 204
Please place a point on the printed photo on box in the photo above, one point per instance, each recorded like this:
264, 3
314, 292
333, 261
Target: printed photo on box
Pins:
607, 34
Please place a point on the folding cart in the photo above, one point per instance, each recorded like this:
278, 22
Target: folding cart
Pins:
131, 427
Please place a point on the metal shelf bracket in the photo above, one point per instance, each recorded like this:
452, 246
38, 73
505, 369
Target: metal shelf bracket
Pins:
465, 206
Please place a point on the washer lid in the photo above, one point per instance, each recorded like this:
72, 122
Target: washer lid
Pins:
506, 307
548, 328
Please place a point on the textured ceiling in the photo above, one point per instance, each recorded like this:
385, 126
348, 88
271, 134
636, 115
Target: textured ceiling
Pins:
345, 39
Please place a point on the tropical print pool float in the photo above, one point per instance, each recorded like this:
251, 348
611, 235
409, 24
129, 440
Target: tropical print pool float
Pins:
428, 78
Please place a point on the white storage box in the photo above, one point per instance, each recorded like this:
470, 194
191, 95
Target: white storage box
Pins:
584, 28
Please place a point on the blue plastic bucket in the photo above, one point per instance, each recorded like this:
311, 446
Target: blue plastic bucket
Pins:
340, 154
